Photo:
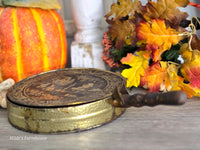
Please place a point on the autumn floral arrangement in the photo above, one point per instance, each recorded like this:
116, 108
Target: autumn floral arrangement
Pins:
147, 41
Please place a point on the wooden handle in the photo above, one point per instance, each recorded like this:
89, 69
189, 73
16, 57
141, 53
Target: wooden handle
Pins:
122, 98
153, 99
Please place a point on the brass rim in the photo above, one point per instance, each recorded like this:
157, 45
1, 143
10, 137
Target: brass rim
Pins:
64, 119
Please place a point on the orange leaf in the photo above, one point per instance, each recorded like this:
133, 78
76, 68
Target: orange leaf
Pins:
178, 84
155, 76
138, 63
155, 33
165, 74
191, 68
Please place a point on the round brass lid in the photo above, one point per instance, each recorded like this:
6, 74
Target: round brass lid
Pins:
64, 87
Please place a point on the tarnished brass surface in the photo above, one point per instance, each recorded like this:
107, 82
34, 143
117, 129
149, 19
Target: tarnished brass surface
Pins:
64, 87
67, 100
65, 119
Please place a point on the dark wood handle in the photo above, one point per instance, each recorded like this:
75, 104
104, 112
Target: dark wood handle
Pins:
153, 99
140, 98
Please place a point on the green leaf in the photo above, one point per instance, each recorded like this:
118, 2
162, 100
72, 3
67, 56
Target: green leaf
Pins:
119, 54
173, 53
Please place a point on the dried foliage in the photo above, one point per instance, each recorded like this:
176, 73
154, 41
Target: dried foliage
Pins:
149, 40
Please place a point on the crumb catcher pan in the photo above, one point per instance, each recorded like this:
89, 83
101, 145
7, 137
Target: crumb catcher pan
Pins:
71, 100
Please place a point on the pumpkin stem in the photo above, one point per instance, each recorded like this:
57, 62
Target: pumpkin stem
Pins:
44, 4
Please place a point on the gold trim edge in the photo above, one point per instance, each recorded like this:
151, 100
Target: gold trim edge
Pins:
63, 119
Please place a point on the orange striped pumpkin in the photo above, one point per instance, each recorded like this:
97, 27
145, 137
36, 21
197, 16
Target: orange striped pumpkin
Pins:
32, 40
